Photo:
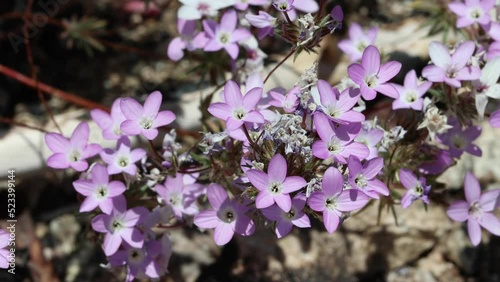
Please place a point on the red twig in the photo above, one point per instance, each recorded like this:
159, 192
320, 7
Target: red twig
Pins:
20, 124
34, 70
69, 97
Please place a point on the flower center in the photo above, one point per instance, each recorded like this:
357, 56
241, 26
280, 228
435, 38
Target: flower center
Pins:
475, 210
411, 96
224, 38
282, 5
135, 256
372, 81
452, 72
239, 113
290, 214
174, 199
227, 215
74, 156
146, 123
360, 181
334, 146
418, 190
476, 13
116, 225
275, 187
334, 113
123, 161
458, 142
102, 192
117, 130
361, 46
331, 203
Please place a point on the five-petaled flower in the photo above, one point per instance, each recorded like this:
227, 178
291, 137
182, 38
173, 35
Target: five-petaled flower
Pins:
120, 225
71, 152
99, 191
123, 159
472, 11
226, 216
144, 120
451, 69
275, 186
236, 109
363, 176
286, 220
416, 188
225, 35
358, 41
410, 94
477, 209
338, 106
333, 201
372, 77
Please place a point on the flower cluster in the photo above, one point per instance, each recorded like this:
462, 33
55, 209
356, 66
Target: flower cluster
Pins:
285, 157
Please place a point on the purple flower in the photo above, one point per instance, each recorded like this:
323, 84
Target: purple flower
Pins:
4, 253
186, 41
109, 123
358, 41
225, 35
160, 252
451, 69
416, 188
288, 102
120, 225
265, 22
71, 152
459, 140
226, 216
370, 136
338, 106
363, 177
286, 220
274, 186
180, 195
410, 95
144, 120
495, 119
333, 144
337, 16
332, 201
372, 77
236, 109
99, 191
472, 11
123, 159
289, 7
441, 162
476, 210
196, 9
138, 260
486, 86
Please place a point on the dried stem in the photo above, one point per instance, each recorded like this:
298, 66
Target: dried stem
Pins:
69, 97
279, 64
20, 124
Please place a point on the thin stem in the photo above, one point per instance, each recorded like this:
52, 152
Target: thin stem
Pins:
288, 18
69, 97
20, 124
154, 152
279, 64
